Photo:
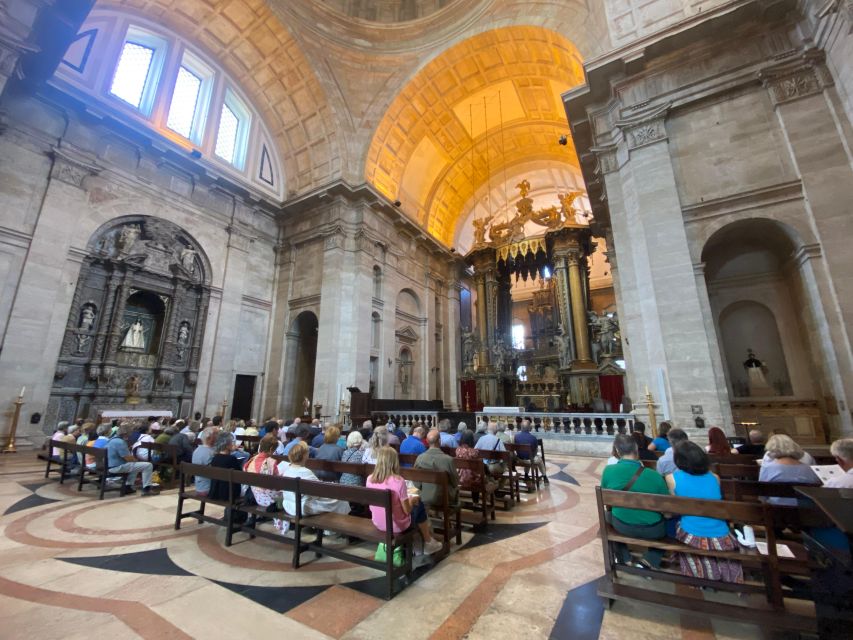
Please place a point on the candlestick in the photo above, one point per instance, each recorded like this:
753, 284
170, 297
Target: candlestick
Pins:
23, 389
650, 405
13, 430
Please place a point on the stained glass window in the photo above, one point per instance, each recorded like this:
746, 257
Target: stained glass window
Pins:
184, 103
132, 72
226, 136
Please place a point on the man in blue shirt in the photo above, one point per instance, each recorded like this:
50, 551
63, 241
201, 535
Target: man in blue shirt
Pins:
489, 441
666, 463
447, 440
413, 444
460, 429
303, 434
525, 437
119, 460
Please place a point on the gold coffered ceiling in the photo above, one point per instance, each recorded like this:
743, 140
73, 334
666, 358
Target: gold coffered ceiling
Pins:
421, 153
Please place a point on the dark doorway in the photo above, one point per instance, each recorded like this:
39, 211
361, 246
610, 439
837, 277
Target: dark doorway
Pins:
244, 394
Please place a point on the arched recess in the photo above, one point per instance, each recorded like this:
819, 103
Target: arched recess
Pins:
136, 325
761, 297
409, 338
750, 326
302, 361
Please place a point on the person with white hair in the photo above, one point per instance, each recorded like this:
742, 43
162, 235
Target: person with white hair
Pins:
461, 428
59, 434
505, 437
119, 460
489, 441
378, 440
843, 451
447, 440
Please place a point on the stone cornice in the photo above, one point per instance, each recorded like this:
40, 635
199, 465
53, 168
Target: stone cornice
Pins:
796, 77
744, 201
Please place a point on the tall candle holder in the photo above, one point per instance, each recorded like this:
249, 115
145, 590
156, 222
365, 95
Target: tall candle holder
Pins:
13, 430
653, 420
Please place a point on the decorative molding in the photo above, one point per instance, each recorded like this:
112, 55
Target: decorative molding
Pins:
71, 169
645, 129
334, 238
806, 252
606, 158
796, 78
406, 335
752, 200
305, 301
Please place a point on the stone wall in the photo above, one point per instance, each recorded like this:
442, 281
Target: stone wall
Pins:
695, 138
64, 176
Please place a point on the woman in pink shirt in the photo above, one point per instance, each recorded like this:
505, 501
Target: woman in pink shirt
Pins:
404, 506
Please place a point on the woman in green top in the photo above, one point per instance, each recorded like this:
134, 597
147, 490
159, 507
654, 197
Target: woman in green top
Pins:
629, 475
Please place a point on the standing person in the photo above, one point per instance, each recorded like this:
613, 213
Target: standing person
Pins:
629, 474
119, 460
406, 508
693, 479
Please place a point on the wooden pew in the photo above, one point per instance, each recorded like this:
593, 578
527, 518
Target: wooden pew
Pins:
166, 458
249, 443
99, 473
526, 463
736, 471
765, 567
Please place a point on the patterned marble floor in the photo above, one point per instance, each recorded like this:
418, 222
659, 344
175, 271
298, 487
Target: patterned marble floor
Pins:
72, 566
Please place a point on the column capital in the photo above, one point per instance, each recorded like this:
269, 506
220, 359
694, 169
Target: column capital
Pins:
645, 128
606, 158
796, 77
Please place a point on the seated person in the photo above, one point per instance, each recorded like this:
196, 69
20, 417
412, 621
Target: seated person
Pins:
184, 443
718, 443
330, 451
404, 507
843, 451
223, 447
693, 479
353, 454
784, 466
264, 464
413, 444
642, 449
754, 444
434, 459
807, 458
660, 443
666, 463
119, 460
296, 469
378, 439
468, 478
525, 437
490, 442
202, 455
629, 474
640, 427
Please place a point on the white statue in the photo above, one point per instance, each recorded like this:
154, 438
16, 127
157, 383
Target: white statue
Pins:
135, 336
87, 318
755, 370
188, 259
564, 347
127, 238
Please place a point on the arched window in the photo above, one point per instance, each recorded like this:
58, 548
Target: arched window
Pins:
141, 71
376, 331
377, 282
518, 336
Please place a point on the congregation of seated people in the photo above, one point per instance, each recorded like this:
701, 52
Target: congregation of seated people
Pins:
685, 469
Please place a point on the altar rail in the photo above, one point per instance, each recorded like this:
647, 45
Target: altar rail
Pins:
405, 419
572, 423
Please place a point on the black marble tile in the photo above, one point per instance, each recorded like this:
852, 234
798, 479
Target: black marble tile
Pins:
565, 477
279, 599
377, 588
152, 562
28, 503
581, 614
495, 532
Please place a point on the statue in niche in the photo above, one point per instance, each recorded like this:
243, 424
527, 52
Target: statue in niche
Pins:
188, 259
83, 340
127, 238
135, 336
480, 225
183, 338
499, 355
131, 388
469, 346
564, 346
756, 378
87, 317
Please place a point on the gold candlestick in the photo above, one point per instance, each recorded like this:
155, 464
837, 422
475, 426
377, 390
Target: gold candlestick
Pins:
13, 430
467, 401
653, 421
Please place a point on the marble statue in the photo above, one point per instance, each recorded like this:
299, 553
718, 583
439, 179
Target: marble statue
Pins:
564, 347
127, 238
87, 317
188, 259
480, 225
183, 339
755, 372
135, 336
469, 347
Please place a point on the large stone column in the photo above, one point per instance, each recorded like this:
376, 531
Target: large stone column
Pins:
576, 292
663, 322
804, 98
563, 299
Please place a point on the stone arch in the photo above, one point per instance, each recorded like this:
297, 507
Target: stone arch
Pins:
421, 152
302, 360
